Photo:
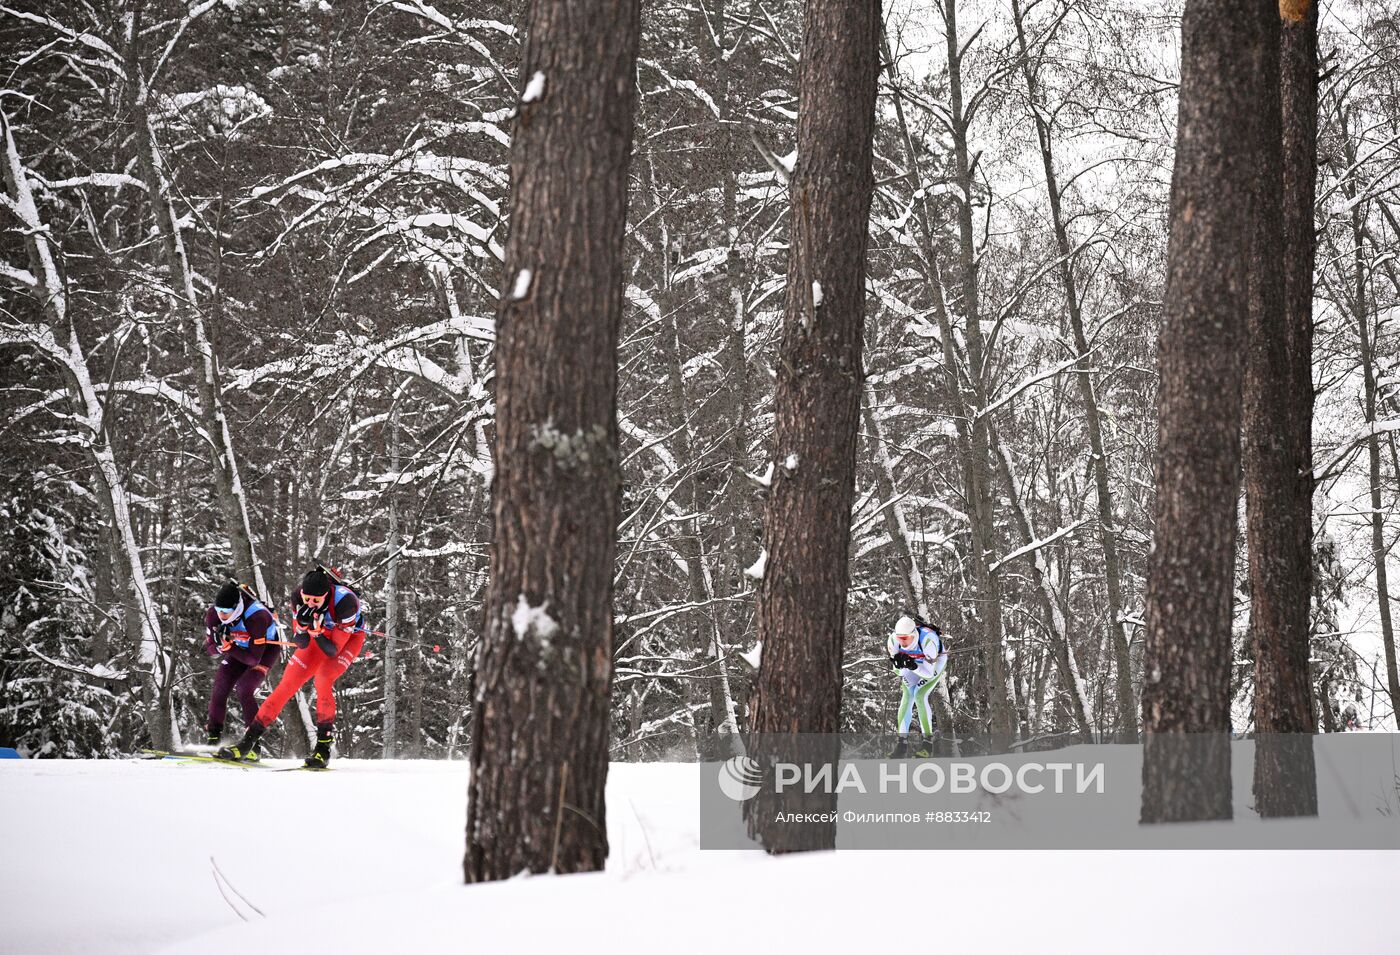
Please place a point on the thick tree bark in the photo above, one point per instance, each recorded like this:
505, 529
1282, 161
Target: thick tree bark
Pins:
539, 749
1127, 708
1190, 584
806, 533
1278, 424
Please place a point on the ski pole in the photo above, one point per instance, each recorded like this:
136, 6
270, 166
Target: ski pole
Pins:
335, 575
229, 645
411, 643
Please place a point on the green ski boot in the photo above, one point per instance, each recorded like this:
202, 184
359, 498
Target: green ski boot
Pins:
321, 755
246, 749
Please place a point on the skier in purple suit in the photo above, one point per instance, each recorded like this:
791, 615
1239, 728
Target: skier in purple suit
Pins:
244, 633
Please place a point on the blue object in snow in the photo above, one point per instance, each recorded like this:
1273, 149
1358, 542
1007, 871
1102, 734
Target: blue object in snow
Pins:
7, 752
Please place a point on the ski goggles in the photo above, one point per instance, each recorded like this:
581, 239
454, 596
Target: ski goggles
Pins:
229, 614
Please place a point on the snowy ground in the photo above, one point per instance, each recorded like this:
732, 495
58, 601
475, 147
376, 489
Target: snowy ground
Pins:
114, 857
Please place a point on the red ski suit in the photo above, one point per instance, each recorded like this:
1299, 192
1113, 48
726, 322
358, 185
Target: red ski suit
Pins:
312, 662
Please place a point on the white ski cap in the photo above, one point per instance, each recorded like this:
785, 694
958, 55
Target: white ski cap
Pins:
905, 625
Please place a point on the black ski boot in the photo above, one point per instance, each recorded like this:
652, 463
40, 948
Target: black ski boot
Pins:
246, 749
216, 733
321, 755
924, 748
901, 749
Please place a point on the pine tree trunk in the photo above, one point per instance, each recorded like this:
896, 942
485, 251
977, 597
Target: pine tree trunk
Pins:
802, 594
539, 749
1278, 424
1190, 584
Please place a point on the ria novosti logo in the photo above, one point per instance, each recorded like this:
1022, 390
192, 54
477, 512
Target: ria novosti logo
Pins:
740, 778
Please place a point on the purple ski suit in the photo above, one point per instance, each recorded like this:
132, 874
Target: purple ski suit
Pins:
247, 657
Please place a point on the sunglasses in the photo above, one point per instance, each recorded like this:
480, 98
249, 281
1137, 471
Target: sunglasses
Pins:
226, 615
313, 600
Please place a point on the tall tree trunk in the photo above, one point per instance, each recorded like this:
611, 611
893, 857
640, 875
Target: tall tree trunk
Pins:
1278, 425
1127, 708
1190, 583
539, 749
806, 532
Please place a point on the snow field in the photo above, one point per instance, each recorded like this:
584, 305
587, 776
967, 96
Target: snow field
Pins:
114, 857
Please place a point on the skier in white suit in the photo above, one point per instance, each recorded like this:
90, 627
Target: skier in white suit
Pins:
916, 651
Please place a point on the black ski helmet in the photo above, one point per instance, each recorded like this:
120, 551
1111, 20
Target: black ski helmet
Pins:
316, 583
228, 596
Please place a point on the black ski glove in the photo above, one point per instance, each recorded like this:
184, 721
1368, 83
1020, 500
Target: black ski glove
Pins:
903, 661
327, 645
301, 638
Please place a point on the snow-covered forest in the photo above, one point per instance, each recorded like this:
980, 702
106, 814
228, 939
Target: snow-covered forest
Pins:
251, 261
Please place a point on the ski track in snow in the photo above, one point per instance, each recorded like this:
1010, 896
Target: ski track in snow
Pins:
113, 857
